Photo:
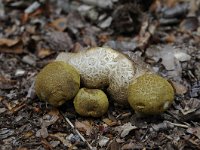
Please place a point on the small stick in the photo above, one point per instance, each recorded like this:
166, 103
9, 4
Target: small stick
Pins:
178, 124
75, 130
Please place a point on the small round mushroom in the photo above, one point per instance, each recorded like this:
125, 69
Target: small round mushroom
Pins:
91, 102
150, 94
57, 83
103, 67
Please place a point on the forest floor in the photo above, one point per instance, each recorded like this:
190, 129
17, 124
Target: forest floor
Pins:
163, 34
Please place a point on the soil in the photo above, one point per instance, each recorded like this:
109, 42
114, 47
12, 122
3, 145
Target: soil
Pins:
161, 35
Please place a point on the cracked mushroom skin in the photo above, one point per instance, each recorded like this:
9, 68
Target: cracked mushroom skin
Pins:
91, 102
57, 83
102, 67
150, 94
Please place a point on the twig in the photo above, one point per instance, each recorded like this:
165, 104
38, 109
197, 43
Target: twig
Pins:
177, 119
76, 131
178, 125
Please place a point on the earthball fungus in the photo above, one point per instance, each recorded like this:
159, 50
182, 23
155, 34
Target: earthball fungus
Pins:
150, 94
103, 67
57, 82
91, 102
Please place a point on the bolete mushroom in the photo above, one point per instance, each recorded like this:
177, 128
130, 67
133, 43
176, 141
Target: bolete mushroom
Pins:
91, 102
57, 82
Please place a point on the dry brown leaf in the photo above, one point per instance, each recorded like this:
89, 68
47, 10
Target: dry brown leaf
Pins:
189, 24
22, 148
46, 144
17, 108
28, 134
179, 88
109, 122
42, 53
194, 131
114, 145
171, 3
62, 137
60, 24
13, 106
59, 41
8, 42
103, 140
6, 84
84, 126
128, 146
11, 46
1, 98
125, 129
50, 118
43, 132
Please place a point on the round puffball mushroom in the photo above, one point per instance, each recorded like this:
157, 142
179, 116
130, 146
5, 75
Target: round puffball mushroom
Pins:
57, 82
150, 94
102, 67
91, 102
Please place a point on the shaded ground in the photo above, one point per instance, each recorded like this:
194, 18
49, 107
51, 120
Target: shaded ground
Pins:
165, 35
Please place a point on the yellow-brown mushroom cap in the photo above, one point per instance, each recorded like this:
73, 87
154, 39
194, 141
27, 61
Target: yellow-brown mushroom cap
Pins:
57, 82
150, 94
91, 102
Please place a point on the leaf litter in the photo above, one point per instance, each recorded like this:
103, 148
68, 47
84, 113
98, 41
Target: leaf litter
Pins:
165, 37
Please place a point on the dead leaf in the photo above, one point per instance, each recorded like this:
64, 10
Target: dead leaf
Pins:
190, 106
43, 132
22, 148
2, 110
59, 41
50, 118
84, 126
170, 38
171, 3
46, 144
109, 122
75, 21
5, 132
44, 52
131, 145
13, 106
125, 129
8, 42
11, 46
62, 137
190, 109
195, 131
1, 98
181, 56
28, 134
6, 84
60, 24
179, 88
189, 24
114, 145
17, 108
103, 140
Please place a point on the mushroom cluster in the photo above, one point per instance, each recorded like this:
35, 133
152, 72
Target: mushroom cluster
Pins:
124, 81
102, 67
